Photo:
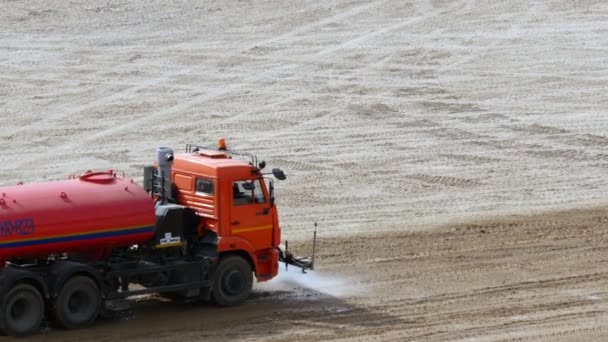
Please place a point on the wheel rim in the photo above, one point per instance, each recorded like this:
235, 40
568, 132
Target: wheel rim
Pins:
233, 283
78, 303
23, 312
19, 309
80, 306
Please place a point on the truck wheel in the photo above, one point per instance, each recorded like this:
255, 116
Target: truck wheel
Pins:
233, 281
78, 303
22, 311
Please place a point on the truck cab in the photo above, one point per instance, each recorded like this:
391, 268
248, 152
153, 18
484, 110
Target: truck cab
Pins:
233, 199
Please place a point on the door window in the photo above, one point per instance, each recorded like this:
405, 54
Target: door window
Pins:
258, 192
248, 192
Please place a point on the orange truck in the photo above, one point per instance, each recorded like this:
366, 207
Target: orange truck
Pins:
202, 227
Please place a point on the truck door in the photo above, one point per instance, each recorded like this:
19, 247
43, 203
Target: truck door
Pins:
250, 213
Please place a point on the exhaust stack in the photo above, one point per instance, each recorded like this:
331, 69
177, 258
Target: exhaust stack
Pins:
164, 160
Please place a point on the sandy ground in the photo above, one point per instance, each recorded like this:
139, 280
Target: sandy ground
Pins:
539, 278
396, 121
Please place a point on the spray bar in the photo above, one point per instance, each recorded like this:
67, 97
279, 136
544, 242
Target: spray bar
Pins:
305, 263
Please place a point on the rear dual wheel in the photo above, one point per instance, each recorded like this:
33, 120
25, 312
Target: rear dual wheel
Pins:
22, 310
78, 303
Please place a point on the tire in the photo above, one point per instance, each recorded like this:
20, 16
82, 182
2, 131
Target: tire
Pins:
232, 282
22, 311
78, 303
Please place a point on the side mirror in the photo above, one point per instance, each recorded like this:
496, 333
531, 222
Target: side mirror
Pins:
279, 174
262, 165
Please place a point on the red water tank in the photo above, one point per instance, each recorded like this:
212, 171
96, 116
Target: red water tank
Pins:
88, 215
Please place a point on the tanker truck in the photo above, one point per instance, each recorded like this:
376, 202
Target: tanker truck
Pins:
202, 226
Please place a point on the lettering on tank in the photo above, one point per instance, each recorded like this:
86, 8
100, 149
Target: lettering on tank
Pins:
19, 227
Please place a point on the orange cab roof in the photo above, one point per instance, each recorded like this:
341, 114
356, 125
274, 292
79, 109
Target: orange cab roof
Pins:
211, 163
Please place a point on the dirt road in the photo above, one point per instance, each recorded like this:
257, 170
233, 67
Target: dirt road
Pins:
540, 278
400, 124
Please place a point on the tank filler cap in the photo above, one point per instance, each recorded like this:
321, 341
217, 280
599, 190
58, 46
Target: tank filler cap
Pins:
103, 177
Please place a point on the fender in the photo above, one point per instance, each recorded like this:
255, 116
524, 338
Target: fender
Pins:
235, 243
10, 275
63, 270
